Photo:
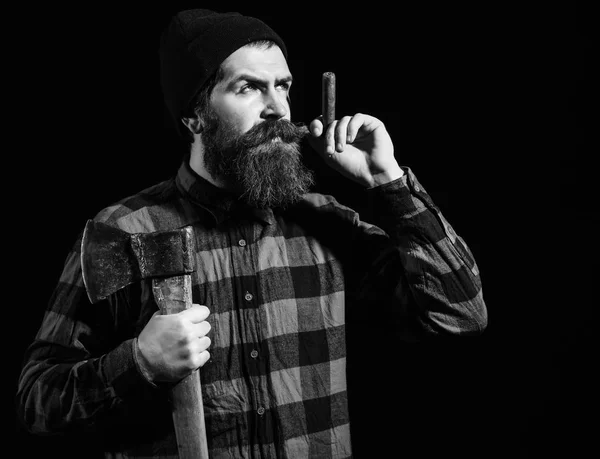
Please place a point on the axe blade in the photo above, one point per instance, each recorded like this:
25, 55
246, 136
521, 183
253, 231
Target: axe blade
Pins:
107, 260
112, 258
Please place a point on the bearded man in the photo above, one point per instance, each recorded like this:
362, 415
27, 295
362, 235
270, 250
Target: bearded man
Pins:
277, 267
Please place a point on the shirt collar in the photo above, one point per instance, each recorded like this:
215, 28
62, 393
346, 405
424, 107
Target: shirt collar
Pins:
220, 203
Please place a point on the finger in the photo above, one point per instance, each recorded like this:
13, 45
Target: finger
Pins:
197, 313
196, 360
203, 358
316, 126
330, 138
201, 329
203, 344
354, 126
341, 133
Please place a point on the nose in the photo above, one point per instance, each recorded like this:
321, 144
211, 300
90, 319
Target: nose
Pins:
276, 105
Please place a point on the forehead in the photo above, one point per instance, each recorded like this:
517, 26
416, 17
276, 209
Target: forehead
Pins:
261, 61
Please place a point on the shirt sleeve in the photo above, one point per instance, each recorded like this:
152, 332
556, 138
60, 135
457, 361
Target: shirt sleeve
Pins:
424, 272
81, 365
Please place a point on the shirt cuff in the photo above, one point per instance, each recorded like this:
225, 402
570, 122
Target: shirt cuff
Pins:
138, 357
122, 372
400, 197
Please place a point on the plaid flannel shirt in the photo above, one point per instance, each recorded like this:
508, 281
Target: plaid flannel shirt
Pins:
278, 284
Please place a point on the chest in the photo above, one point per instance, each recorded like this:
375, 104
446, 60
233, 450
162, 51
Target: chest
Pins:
264, 281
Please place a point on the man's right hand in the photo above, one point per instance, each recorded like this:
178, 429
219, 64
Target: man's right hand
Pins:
172, 346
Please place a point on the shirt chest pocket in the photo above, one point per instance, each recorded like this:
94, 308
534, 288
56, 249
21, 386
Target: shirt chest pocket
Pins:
225, 406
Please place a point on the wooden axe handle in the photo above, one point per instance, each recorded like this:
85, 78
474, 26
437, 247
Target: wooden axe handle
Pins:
173, 295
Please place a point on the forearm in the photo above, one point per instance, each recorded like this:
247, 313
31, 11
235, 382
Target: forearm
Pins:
60, 391
445, 292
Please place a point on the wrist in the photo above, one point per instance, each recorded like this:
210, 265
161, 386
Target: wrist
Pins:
387, 176
142, 362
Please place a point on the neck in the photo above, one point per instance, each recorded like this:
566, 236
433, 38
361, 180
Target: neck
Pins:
197, 165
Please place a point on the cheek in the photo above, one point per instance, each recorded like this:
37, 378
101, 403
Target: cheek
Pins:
240, 119
242, 122
237, 122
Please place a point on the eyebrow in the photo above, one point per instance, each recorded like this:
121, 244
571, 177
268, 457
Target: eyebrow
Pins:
255, 79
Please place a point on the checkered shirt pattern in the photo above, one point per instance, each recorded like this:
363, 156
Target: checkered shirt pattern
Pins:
278, 284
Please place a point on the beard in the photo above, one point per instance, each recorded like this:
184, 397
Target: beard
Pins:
264, 165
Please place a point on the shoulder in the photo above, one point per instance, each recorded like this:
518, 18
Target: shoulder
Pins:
156, 208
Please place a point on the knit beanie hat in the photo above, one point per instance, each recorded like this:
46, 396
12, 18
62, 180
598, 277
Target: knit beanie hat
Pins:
194, 45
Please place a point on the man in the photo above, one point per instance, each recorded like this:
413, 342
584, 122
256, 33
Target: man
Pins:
278, 267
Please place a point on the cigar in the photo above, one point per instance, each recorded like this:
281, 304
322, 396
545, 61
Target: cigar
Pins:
328, 99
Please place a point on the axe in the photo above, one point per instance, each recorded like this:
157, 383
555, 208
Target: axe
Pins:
112, 259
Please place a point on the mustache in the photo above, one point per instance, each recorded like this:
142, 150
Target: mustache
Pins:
269, 130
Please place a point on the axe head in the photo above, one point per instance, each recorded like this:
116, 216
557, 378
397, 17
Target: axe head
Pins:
112, 258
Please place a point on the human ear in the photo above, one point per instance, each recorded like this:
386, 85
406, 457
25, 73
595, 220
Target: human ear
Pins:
193, 124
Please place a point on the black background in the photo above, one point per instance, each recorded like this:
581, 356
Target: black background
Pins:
484, 101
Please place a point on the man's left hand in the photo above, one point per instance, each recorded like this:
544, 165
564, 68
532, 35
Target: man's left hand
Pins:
359, 147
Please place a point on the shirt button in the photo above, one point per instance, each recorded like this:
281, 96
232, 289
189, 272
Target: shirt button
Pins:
242, 242
254, 353
260, 411
248, 296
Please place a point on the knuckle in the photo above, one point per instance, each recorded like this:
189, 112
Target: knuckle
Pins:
187, 340
179, 322
185, 354
185, 330
187, 336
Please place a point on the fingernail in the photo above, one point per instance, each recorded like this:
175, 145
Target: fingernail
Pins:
339, 147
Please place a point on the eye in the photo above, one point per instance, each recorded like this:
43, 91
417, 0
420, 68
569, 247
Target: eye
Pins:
248, 87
